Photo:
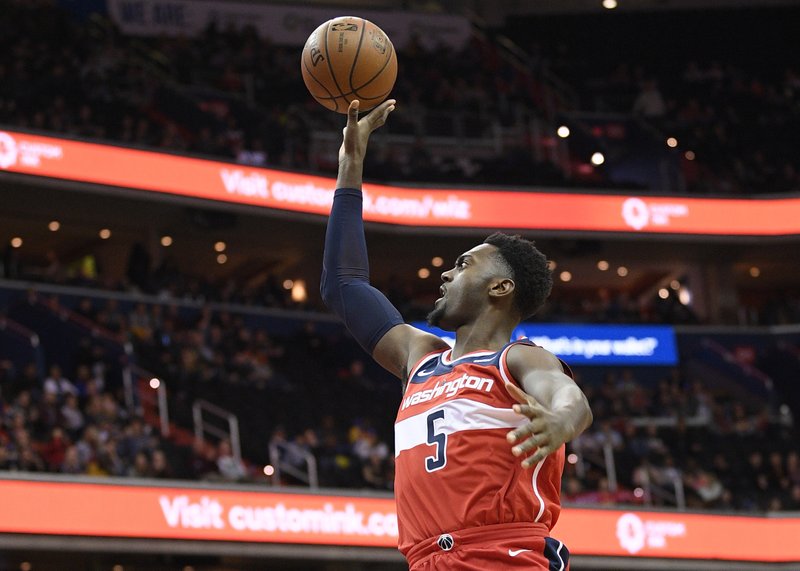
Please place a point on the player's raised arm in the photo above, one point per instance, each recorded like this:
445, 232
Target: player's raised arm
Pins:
556, 407
369, 316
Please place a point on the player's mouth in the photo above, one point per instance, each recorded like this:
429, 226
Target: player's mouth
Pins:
442, 291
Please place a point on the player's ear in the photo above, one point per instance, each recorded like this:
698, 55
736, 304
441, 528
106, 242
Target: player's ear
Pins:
501, 287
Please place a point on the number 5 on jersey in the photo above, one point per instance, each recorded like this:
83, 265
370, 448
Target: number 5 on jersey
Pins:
439, 459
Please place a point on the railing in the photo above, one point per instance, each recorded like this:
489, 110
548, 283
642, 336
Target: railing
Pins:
18, 341
324, 143
672, 493
203, 427
77, 292
752, 376
310, 476
604, 461
159, 402
670, 421
12, 326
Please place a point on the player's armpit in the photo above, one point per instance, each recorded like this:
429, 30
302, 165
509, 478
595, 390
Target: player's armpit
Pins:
402, 346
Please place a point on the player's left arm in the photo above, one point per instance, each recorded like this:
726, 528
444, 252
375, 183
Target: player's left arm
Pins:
556, 408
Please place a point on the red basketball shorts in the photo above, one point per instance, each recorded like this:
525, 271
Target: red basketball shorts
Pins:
493, 547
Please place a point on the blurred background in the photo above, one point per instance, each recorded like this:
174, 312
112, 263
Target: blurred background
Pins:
154, 339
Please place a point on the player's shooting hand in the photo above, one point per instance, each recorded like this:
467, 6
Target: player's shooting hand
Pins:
357, 132
545, 432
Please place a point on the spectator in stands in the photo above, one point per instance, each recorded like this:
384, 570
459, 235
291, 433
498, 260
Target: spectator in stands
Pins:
376, 472
72, 417
230, 468
47, 416
109, 462
161, 467
57, 384
366, 444
54, 450
111, 442
141, 466
28, 380
649, 103
704, 484
794, 498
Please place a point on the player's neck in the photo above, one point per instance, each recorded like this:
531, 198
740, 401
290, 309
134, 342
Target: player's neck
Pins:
482, 335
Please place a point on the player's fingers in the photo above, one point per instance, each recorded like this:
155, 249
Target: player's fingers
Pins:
533, 427
352, 113
378, 116
518, 394
528, 410
540, 455
535, 441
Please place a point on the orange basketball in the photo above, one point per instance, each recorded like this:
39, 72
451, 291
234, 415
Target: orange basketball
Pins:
349, 58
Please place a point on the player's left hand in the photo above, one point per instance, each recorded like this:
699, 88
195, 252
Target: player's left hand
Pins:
357, 131
545, 432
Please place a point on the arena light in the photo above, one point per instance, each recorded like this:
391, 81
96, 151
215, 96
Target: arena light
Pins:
222, 259
25, 566
685, 296
598, 159
622, 271
54, 226
663, 293
423, 273
155, 383
602, 265
755, 272
675, 284
117, 568
104, 234
672, 142
563, 131
572, 458
166, 241
288, 284
269, 470
609, 4
16, 242
638, 493
551, 265
689, 155
220, 246
565, 276
299, 294
437, 262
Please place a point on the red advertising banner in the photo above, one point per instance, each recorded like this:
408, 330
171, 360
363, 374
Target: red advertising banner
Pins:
114, 510
430, 207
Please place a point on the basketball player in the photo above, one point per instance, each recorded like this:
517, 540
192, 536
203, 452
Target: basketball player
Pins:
480, 434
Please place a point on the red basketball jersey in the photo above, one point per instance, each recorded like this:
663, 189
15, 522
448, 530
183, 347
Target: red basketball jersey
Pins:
454, 466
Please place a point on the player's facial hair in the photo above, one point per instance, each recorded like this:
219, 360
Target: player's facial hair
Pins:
435, 316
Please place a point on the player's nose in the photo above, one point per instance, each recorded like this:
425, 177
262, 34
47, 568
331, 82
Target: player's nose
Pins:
446, 276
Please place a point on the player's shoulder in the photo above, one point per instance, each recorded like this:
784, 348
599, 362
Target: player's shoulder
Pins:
524, 356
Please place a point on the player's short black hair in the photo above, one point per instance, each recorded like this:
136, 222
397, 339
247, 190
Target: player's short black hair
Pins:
529, 270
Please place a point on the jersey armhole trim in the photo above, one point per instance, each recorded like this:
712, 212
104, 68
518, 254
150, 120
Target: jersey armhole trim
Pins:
505, 373
425, 358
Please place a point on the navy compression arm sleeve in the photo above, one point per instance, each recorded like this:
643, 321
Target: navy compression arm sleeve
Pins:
345, 286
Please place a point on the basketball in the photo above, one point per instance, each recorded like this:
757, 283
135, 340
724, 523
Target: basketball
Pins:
349, 58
